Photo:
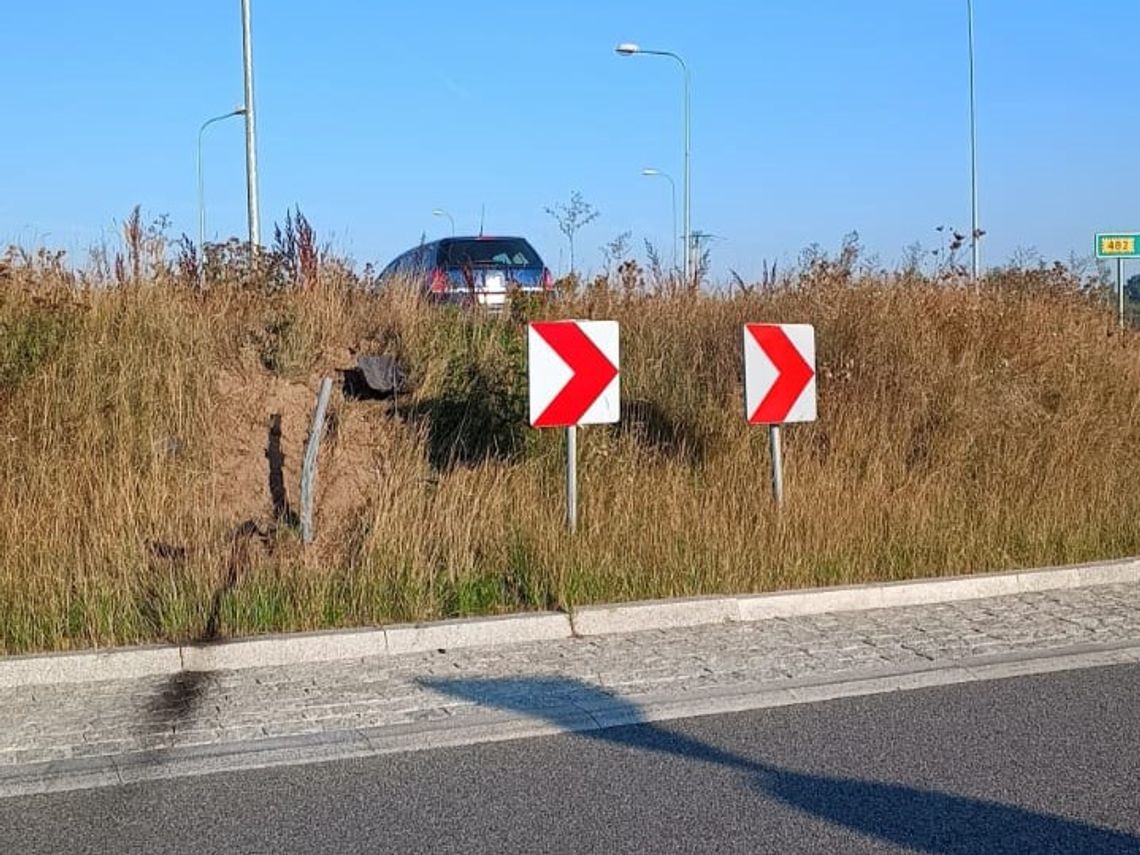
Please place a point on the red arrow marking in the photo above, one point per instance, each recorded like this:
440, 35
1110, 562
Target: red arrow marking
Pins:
592, 373
794, 374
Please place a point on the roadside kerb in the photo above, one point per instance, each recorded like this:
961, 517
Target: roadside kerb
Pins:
128, 664
125, 664
655, 614
477, 632
280, 650
284, 650
633, 617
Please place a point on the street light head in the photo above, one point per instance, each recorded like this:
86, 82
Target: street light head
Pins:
438, 212
628, 48
649, 170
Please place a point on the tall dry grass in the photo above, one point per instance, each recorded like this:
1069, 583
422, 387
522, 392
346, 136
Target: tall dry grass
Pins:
958, 431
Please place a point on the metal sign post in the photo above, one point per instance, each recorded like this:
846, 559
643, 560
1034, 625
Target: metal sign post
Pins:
573, 379
779, 384
1120, 287
777, 465
1120, 246
309, 464
572, 478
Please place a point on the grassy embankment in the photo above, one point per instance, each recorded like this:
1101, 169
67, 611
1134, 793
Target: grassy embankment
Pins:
147, 491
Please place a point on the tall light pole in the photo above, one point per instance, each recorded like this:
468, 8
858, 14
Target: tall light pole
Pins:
237, 111
631, 49
439, 212
975, 230
649, 170
250, 133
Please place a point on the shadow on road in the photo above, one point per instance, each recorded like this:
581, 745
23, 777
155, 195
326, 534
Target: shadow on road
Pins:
923, 820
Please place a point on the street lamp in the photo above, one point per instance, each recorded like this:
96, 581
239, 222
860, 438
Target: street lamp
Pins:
975, 232
439, 212
632, 49
649, 170
252, 204
237, 111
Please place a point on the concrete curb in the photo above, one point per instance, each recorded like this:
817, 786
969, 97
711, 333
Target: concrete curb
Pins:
478, 632
276, 651
280, 650
666, 614
273, 651
129, 664
655, 614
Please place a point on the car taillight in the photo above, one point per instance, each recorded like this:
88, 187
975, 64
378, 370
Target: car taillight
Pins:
438, 282
547, 280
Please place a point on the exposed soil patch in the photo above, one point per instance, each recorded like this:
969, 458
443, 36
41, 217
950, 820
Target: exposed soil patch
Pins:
259, 444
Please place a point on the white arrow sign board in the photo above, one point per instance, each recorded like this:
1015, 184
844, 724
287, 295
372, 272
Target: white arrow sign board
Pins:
779, 373
572, 368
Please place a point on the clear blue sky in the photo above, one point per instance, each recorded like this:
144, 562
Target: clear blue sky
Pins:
809, 120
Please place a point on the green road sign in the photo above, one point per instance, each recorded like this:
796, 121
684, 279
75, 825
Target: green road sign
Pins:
1118, 246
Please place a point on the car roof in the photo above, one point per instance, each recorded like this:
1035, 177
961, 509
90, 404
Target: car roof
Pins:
439, 242
458, 238
479, 237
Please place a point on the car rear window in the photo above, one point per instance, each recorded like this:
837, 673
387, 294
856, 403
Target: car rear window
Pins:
504, 252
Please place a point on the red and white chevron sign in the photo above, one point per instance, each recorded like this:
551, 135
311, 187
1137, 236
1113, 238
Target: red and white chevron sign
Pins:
572, 367
779, 373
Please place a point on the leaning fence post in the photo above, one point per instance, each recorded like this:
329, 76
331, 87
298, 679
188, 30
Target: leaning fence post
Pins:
309, 465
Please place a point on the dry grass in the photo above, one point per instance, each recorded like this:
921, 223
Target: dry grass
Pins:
958, 432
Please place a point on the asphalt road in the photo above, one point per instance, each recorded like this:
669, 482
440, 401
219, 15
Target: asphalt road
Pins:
1044, 764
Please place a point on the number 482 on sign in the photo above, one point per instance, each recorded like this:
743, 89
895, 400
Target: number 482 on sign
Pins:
1116, 246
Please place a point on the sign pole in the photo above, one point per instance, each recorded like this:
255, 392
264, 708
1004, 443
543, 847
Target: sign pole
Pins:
779, 385
777, 465
1121, 247
590, 395
572, 478
1120, 287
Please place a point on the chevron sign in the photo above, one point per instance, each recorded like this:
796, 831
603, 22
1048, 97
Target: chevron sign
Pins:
573, 373
779, 373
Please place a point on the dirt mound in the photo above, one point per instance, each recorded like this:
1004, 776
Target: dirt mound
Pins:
263, 424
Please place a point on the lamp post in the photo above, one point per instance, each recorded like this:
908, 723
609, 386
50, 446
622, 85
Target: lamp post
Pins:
252, 205
649, 170
698, 238
631, 49
975, 250
439, 212
237, 111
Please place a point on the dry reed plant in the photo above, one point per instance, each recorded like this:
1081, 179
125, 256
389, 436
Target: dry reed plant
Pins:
150, 433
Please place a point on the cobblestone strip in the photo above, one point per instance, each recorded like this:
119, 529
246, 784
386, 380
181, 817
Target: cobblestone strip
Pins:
47, 723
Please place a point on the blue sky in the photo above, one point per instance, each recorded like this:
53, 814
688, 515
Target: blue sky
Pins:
809, 121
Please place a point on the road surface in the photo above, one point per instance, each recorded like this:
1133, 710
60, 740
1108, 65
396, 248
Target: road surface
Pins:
1040, 764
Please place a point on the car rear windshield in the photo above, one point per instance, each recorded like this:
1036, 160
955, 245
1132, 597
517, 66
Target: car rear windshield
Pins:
499, 252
